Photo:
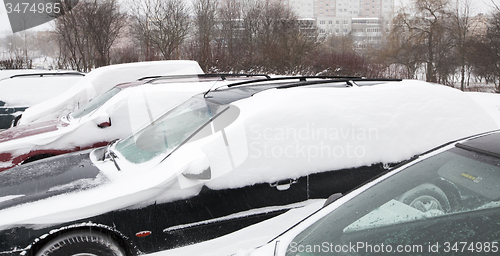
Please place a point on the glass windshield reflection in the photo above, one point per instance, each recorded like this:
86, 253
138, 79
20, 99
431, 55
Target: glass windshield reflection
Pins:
95, 103
165, 134
449, 198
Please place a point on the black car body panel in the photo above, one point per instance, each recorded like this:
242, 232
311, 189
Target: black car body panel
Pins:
50, 177
210, 214
8, 114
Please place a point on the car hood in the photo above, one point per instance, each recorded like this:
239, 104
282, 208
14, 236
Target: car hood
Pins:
48, 177
22, 131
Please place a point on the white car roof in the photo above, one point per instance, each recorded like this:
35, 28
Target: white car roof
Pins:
26, 91
102, 79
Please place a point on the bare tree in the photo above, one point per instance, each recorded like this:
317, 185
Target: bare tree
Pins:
87, 32
426, 23
162, 25
487, 51
404, 48
105, 21
230, 45
461, 27
205, 12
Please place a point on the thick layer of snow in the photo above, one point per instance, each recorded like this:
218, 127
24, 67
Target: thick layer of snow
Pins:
102, 79
489, 101
282, 133
298, 131
28, 91
6, 73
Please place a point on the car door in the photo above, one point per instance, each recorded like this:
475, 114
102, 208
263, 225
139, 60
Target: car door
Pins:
216, 211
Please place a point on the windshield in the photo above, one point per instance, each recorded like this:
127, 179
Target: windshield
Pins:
161, 137
95, 103
440, 204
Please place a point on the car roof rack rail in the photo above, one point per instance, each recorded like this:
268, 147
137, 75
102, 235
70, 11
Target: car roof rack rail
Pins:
47, 74
222, 76
350, 80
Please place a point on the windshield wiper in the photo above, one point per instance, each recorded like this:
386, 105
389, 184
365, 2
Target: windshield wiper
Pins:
112, 155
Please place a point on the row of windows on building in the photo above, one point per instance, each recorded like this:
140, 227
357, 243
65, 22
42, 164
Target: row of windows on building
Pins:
330, 22
345, 31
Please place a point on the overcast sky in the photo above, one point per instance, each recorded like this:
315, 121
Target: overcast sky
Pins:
481, 5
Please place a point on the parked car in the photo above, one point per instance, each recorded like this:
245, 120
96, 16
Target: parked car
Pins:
223, 160
99, 81
113, 115
22, 90
445, 201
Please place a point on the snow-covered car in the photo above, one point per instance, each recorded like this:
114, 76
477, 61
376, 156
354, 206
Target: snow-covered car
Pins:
446, 201
99, 81
113, 115
21, 89
223, 160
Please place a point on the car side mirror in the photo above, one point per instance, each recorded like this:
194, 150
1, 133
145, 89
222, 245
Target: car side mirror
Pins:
198, 169
332, 199
103, 121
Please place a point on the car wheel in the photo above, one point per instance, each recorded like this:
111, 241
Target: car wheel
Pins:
426, 198
81, 244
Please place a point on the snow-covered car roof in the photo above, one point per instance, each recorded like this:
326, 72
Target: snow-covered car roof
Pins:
25, 90
102, 79
294, 131
6, 73
20, 89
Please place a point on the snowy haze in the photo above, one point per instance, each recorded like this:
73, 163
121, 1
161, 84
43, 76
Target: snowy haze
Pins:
481, 6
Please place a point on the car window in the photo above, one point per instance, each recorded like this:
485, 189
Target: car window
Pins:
448, 203
162, 136
95, 103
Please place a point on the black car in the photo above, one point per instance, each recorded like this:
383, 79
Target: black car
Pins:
446, 201
223, 160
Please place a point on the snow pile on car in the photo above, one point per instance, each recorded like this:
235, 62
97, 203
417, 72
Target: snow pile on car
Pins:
28, 91
489, 101
102, 79
287, 133
281, 134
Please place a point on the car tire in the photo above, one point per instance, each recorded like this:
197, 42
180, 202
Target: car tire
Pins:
425, 198
82, 244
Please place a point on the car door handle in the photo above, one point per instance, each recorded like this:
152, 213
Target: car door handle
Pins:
283, 184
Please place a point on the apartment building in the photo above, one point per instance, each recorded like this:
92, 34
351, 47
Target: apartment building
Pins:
366, 20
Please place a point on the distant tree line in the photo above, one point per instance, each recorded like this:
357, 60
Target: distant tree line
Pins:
442, 38
436, 40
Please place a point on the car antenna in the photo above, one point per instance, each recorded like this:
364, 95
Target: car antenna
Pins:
222, 79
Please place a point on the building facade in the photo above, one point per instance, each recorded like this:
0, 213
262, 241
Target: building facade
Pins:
366, 20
